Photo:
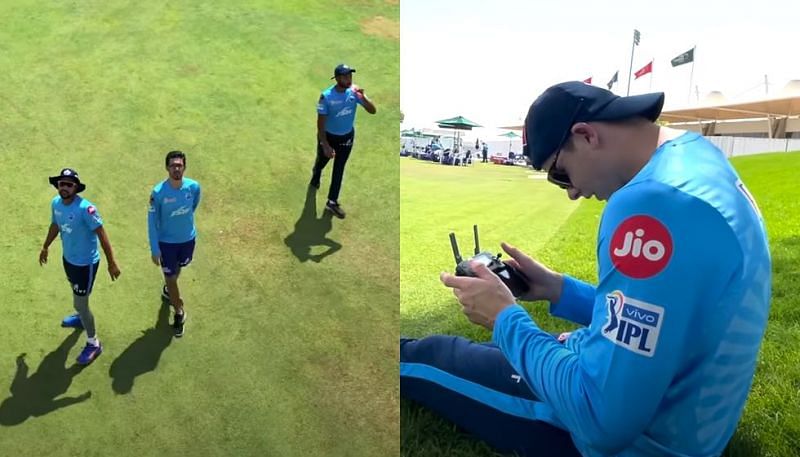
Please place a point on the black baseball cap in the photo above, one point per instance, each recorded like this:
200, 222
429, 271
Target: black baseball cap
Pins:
70, 175
558, 108
342, 69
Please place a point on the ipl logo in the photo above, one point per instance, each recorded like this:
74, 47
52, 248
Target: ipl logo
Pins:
633, 324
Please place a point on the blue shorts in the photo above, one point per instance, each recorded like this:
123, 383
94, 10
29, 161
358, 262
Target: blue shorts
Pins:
81, 277
174, 256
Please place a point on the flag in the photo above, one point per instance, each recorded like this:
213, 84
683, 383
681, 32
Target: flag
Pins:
614, 79
588, 80
644, 70
686, 57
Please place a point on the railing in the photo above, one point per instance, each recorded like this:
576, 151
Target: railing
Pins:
734, 146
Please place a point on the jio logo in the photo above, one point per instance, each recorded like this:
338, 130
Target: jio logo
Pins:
641, 247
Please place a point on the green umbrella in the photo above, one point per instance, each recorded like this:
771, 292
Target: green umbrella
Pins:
510, 135
413, 133
457, 123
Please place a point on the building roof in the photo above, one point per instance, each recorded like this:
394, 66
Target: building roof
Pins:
774, 107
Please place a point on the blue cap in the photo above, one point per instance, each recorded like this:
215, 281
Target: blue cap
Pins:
342, 69
551, 117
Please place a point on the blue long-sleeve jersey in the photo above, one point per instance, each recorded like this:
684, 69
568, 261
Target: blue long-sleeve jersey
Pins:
171, 215
675, 324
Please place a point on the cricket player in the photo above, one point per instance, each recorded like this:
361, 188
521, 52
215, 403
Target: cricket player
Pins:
80, 225
671, 332
336, 114
171, 230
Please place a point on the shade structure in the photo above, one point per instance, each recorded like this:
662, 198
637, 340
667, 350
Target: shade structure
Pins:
457, 123
776, 107
510, 135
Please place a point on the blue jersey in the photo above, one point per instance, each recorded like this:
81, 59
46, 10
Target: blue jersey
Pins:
77, 223
171, 215
675, 323
339, 109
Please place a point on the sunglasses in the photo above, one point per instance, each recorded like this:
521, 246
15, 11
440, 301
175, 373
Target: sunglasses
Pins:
554, 175
67, 184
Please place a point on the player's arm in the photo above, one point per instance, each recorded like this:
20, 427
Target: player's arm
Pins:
575, 302
153, 212
94, 221
569, 298
196, 196
322, 117
363, 100
322, 137
607, 392
52, 233
113, 269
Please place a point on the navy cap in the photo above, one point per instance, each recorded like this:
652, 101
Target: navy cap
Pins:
342, 69
553, 114
70, 175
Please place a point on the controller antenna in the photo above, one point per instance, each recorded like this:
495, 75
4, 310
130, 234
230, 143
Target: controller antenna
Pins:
454, 244
477, 246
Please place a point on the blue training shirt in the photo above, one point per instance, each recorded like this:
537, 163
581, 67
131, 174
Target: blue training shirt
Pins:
339, 109
170, 218
675, 323
77, 223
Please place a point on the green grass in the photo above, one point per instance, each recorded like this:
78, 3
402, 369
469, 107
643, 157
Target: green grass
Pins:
539, 219
281, 356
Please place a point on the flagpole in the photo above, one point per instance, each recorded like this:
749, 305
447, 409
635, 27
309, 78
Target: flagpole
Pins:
630, 70
691, 75
651, 74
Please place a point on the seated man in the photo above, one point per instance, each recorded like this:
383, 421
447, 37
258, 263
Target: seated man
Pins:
673, 329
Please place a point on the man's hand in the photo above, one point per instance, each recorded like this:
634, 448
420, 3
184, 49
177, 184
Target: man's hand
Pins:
329, 151
482, 298
156, 259
43, 256
113, 270
357, 91
544, 283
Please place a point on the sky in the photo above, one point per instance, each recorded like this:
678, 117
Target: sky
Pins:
488, 60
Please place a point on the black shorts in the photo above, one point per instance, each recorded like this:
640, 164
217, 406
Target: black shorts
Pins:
175, 256
81, 277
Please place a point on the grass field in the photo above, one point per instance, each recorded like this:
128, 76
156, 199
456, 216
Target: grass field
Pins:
539, 219
287, 351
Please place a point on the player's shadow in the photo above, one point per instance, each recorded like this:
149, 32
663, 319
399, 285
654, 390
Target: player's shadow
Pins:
142, 355
36, 395
311, 231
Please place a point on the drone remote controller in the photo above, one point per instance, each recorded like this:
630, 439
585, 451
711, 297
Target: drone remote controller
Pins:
511, 277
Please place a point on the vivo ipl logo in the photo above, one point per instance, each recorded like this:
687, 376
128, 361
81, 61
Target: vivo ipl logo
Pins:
633, 324
641, 247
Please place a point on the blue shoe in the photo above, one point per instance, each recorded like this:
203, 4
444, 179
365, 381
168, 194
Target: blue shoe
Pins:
89, 353
73, 321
